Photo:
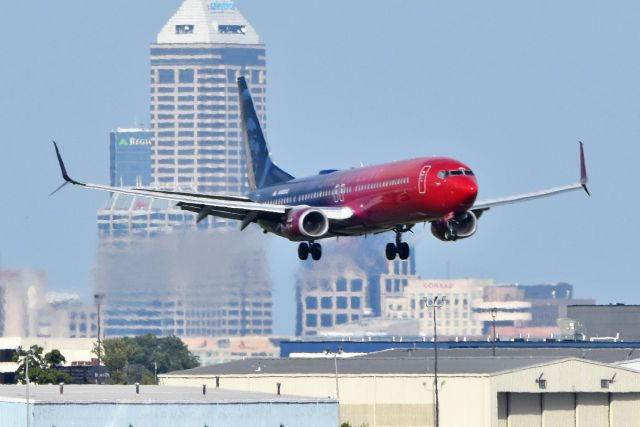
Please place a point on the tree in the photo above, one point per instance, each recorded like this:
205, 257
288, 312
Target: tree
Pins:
54, 359
131, 360
42, 369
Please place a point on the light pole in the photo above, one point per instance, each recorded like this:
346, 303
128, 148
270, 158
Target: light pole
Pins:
494, 313
435, 304
335, 367
26, 377
98, 299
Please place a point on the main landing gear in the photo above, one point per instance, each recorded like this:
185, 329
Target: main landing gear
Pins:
399, 248
304, 249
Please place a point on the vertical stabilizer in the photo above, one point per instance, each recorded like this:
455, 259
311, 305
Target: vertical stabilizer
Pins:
261, 169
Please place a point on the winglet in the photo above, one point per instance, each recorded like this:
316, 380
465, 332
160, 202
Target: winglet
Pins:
584, 179
63, 169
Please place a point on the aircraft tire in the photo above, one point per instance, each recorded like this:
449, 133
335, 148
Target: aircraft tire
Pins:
391, 251
403, 250
316, 251
450, 236
303, 251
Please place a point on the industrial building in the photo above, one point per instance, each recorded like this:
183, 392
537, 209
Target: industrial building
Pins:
140, 406
397, 388
605, 322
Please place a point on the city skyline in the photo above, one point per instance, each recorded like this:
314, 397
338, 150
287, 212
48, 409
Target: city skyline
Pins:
459, 87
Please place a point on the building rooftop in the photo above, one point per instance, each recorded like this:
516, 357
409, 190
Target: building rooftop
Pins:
372, 365
604, 355
208, 21
148, 394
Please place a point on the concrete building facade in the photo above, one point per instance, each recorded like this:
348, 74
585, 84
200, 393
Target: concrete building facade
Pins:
455, 317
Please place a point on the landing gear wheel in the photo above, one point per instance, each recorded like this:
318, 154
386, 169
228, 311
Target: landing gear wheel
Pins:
390, 251
303, 251
316, 251
450, 235
403, 250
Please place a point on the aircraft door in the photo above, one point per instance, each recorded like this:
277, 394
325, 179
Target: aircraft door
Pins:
422, 179
336, 193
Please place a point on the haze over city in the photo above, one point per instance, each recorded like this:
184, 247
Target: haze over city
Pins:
507, 88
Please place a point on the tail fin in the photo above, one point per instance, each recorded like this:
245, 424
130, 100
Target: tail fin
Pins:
261, 169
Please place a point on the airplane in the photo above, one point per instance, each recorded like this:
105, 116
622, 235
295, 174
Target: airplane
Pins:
353, 202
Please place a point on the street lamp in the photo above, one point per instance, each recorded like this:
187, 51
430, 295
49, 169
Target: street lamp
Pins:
435, 304
335, 366
98, 299
494, 313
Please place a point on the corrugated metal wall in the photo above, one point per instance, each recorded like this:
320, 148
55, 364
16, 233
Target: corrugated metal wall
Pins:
171, 415
568, 409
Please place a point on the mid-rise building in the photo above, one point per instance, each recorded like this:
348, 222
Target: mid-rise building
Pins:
348, 286
21, 300
130, 157
455, 304
67, 316
211, 351
527, 310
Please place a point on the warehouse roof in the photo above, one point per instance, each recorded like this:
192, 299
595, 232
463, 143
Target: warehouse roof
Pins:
148, 394
605, 355
370, 365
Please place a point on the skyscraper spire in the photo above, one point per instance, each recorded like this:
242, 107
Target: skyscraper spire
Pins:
206, 21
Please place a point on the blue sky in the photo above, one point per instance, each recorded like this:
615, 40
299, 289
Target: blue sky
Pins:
506, 87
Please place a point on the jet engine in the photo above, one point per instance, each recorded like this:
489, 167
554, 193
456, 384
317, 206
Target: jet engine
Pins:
461, 226
306, 223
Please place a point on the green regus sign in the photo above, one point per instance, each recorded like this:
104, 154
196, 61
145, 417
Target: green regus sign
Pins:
134, 141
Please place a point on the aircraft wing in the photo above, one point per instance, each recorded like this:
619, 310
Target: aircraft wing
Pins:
231, 207
483, 205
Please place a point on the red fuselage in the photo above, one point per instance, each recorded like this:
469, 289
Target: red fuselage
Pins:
383, 196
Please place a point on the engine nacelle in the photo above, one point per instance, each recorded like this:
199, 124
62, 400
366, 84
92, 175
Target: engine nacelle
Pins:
463, 225
304, 223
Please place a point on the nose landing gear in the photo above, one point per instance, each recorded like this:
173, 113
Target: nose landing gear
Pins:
304, 249
399, 248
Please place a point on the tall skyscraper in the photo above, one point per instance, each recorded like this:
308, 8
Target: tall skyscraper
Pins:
198, 55
162, 273
130, 157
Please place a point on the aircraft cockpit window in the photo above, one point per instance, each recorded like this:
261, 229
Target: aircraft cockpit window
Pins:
457, 172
